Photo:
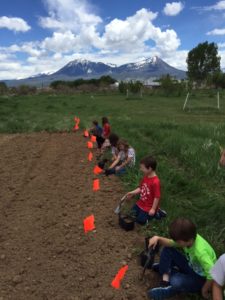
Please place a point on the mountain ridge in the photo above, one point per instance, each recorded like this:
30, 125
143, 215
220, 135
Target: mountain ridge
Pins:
153, 67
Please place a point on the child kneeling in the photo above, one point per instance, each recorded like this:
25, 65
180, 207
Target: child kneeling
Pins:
185, 262
147, 207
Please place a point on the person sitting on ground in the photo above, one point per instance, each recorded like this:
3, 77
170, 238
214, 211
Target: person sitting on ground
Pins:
96, 130
222, 159
111, 153
105, 134
147, 207
185, 262
124, 159
218, 275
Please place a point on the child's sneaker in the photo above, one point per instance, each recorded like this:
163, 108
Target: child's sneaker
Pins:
161, 293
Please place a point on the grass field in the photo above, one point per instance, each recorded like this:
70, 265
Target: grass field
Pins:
186, 145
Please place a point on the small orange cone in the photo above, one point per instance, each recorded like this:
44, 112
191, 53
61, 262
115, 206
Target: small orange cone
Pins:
75, 127
93, 138
90, 156
90, 145
119, 276
97, 170
89, 223
86, 133
96, 185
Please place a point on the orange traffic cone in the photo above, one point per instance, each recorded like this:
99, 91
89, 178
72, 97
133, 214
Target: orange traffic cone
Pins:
97, 170
119, 276
89, 223
96, 185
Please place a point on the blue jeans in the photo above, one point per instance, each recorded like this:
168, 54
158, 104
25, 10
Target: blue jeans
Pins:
141, 216
182, 277
113, 171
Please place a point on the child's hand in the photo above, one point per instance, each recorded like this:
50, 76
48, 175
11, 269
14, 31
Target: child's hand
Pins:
153, 241
151, 212
129, 195
117, 168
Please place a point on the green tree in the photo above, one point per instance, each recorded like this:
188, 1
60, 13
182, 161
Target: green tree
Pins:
123, 87
202, 61
167, 85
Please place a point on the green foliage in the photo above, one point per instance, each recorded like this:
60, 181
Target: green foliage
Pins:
104, 80
217, 80
23, 90
3, 88
132, 86
170, 86
202, 61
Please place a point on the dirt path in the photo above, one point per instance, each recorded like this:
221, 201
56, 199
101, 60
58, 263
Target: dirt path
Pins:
46, 192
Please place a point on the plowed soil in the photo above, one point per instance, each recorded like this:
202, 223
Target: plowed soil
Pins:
45, 193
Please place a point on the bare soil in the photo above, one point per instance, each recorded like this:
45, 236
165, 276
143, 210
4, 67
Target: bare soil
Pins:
45, 193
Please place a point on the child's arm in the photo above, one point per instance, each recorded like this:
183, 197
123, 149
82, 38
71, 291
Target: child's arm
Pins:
132, 193
217, 291
124, 163
222, 159
206, 289
154, 206
114, 163
161, 240
156, 191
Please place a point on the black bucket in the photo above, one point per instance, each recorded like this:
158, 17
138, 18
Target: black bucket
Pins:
126, 222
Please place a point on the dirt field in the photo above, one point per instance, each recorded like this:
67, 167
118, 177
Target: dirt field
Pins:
46, 192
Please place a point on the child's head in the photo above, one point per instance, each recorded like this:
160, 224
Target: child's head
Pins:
183, 232
105, 120
113, 139
123, 145
148, 164
95, 123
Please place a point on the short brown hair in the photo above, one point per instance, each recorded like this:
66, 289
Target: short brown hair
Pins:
105, 120
149, 162
182, 229
95, 123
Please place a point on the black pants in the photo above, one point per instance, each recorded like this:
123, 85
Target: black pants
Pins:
100, 141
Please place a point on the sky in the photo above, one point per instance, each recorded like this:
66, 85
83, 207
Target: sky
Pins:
41, 36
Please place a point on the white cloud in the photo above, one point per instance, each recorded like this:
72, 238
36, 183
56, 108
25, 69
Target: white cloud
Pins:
67, 15
222, 55
15, 24
173, 9
221, 45
134, 33
217, 31
61, 42
219, 6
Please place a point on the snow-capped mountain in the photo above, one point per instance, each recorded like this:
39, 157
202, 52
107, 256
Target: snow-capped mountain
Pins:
150, 67
83, 68
143, 70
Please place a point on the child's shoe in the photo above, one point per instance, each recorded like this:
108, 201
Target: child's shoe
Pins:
161, 293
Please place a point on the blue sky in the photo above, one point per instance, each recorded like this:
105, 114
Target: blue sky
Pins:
41, 36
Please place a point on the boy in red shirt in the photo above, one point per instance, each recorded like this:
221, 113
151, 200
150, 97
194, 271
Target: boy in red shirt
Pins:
147, 207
